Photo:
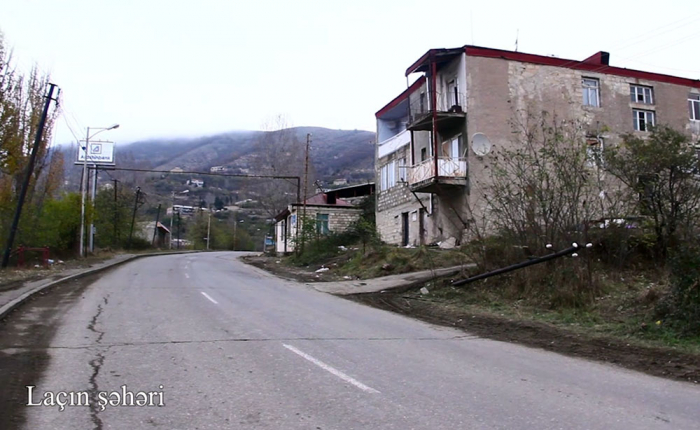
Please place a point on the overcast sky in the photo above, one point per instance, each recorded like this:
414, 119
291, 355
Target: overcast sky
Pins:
191, 68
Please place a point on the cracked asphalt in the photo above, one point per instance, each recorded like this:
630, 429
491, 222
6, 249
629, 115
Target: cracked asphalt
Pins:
234, 347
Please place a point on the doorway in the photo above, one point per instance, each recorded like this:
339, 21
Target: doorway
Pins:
404, 229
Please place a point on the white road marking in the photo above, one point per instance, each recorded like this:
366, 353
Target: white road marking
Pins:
332, 370
187, 276
210, 299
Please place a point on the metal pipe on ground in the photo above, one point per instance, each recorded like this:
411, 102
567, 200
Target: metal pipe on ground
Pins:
575, 247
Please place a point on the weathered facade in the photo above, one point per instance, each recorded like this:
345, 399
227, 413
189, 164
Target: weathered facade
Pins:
437, 138
327, 212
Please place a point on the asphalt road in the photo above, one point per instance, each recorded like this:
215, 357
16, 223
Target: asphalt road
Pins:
234, 347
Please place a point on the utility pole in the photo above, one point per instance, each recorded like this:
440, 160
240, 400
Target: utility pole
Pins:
155, 228
133, 217
178, 230
115, 240
172, 215
306, 181
27, 178
235, 227
209, 229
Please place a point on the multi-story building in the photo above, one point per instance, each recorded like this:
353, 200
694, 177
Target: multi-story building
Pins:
435, 140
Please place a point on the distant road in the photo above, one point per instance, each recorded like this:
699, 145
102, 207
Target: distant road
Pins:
234, 347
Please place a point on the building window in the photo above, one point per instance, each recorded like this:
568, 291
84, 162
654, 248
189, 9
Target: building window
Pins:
643, 119
322, 224
591, 92
594, 152
388, 176
694, 106
640, 94
402, 169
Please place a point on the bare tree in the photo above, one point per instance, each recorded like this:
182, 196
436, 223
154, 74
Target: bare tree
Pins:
280, 151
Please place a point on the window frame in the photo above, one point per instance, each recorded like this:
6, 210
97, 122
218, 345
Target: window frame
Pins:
694, 106
587, 89
647, 114
322, 225
635, 93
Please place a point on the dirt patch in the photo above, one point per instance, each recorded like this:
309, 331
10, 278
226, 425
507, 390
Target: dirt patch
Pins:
278, 267
667, 363
25, 333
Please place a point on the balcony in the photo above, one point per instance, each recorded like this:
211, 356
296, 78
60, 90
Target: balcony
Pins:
393, 143
450, 111
452, 172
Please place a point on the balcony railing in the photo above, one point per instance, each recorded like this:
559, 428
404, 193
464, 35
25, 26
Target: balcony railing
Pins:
448, 102
393, 143
448, 167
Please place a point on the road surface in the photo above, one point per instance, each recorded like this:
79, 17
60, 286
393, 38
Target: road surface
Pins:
220, 344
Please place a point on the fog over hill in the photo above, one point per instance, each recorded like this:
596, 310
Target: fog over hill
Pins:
335, 154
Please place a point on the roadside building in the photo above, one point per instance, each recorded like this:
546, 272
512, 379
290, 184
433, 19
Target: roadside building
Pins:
327, 211
436, 139
145, 231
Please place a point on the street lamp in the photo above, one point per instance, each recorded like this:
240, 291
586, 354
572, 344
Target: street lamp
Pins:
83, 186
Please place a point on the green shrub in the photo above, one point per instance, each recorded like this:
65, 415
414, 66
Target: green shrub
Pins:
680, 308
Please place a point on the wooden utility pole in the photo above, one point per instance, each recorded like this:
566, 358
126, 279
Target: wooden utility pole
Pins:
133, 217
209, 229
155, 228
306, 181
115, 239
27, 177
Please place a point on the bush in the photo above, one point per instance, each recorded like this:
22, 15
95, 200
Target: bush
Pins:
680, 308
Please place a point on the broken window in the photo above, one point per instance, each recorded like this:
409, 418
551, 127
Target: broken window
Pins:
643, 119
694, 106
594, 152
591, 92
641, 94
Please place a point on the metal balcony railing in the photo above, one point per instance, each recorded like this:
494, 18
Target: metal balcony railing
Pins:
448, 102
448, 167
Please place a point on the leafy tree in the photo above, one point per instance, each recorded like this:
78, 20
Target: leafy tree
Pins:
661, 173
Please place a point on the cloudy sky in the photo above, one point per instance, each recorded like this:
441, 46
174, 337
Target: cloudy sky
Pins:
192, 68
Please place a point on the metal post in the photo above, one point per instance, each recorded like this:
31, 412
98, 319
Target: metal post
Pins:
27, 178
94, 207
83, 190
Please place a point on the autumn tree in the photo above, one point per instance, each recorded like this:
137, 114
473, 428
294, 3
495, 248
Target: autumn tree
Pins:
21, 105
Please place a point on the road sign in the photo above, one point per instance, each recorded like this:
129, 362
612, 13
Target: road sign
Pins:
99, 152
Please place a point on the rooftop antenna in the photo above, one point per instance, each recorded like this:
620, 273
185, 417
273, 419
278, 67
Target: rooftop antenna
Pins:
517, 36
471, 13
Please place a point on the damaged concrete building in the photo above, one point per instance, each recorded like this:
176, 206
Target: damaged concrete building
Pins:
435, 140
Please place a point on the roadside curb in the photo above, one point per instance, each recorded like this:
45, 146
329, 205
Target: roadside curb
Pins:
12, 304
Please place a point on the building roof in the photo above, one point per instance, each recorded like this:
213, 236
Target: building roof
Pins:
400, 98
597, 63
320, 199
